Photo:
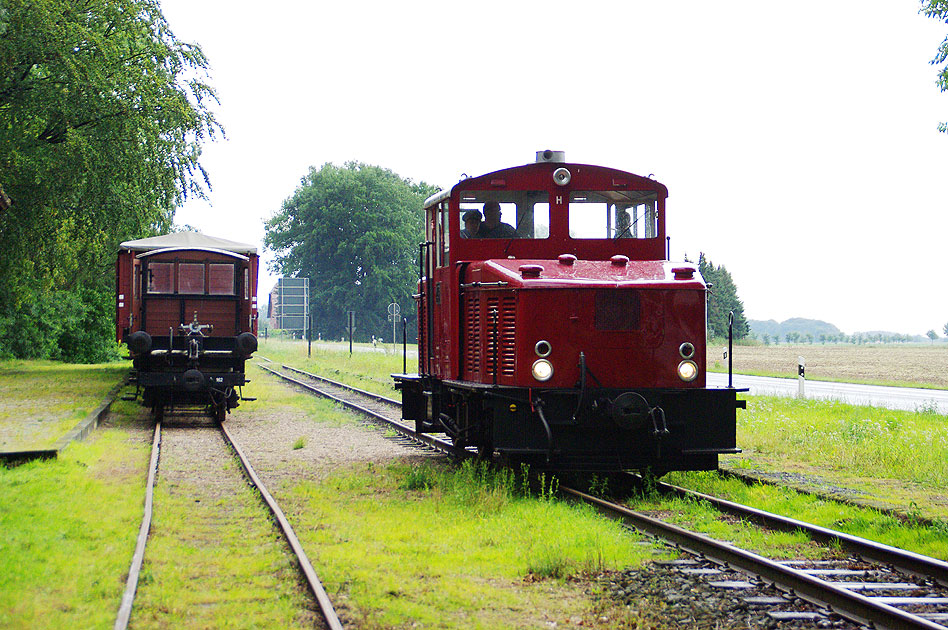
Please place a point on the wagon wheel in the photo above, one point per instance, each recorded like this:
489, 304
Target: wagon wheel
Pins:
159, 410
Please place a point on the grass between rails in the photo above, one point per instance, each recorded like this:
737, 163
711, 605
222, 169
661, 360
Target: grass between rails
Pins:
68, 528
858, 521
366, 369
214, 558
442, 547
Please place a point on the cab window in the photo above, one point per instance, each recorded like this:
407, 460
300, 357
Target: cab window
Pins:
504, 214
444, 242
613, 214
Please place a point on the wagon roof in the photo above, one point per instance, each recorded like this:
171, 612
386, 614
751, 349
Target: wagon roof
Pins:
188, 240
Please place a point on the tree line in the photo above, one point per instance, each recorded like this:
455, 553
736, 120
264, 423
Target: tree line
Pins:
102, 116
856, 339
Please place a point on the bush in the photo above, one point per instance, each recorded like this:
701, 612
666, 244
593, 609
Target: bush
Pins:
76, 327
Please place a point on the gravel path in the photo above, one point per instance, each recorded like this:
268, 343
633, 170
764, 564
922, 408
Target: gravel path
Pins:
268, 439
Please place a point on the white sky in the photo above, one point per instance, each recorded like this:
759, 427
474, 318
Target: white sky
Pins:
798, 140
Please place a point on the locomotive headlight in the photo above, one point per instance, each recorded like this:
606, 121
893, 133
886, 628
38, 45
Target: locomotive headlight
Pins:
687, 371
686, 350
542, 370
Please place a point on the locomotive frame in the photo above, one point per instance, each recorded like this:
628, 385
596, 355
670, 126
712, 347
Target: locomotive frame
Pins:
186, 307
575, 344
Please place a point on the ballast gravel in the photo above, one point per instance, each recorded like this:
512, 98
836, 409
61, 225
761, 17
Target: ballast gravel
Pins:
696, 594
269, 440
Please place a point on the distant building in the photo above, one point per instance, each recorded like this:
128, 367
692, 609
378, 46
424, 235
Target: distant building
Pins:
288, 308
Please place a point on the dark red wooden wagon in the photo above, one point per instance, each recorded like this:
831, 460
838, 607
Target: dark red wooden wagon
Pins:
186, 306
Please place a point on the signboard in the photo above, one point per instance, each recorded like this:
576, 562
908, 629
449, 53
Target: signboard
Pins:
289, 305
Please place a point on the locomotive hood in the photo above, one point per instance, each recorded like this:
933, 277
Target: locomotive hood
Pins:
188, 240
567, 271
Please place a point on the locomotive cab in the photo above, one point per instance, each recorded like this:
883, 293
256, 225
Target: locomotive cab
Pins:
566, 336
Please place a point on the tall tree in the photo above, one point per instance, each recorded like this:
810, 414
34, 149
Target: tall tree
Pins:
723, 301
102, 115
938, 9
354, 231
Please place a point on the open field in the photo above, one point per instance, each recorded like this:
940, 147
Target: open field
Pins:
893, 364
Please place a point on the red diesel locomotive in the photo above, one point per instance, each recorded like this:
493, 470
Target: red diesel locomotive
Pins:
186, 306
558, 331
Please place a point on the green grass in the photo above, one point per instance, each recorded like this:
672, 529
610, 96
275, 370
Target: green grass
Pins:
68, 528
435, 545
42, 400
275, 396
67, 531
868, 441
215, 559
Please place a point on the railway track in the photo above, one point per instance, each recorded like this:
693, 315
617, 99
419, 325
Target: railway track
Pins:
306, 571
879, 586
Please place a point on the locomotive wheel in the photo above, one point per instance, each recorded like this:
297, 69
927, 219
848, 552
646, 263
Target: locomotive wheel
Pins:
220, 413
485, 451
159, 410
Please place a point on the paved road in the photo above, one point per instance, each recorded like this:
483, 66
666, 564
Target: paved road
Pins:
907, 398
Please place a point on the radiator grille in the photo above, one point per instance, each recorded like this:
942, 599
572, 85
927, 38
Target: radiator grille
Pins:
472, 339
505, 312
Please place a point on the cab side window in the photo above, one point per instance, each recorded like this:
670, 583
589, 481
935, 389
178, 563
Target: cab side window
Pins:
443, 242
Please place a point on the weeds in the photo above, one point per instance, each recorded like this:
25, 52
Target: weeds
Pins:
299, 443
599, 486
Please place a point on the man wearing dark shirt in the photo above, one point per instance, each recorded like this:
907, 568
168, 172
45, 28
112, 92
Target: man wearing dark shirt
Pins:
492, 227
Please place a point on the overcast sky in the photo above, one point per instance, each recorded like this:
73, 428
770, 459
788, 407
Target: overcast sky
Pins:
798, 140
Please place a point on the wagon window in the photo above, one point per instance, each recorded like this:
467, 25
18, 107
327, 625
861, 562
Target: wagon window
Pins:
191, 278
613, 214
161, 277
220, 279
